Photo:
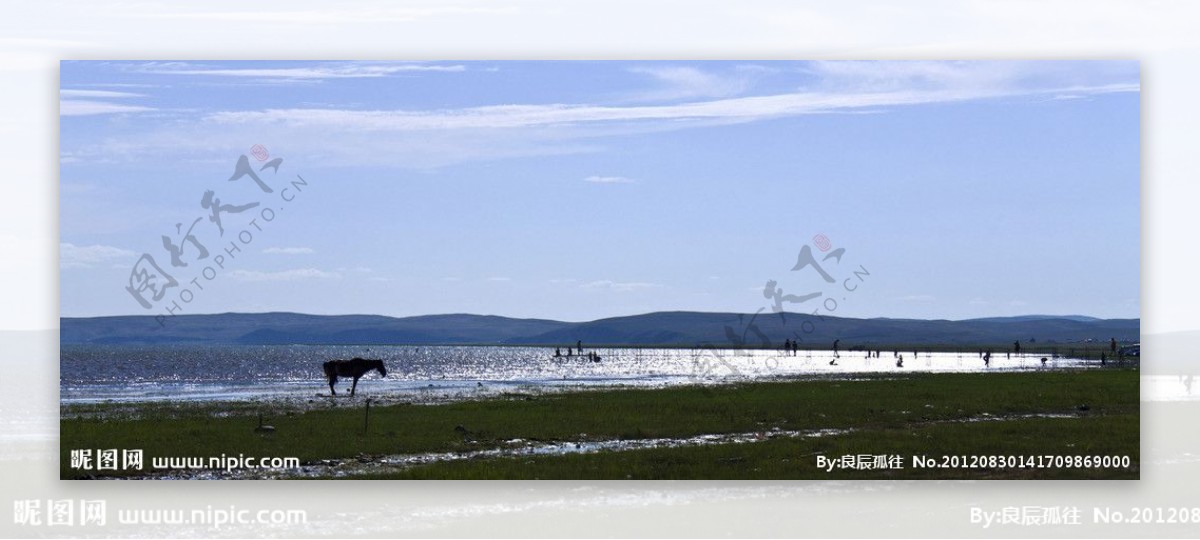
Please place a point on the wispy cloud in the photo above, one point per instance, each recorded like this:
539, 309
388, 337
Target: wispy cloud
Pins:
83, 107
73, 256
83, 102
499, 279
685, 82
917, 298
101, 94
289, 251
328, 71
609, 180
618, 286
295, 274
428, 138
743, 109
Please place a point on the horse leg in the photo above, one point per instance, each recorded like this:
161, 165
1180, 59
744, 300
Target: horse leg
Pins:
332, 381
353, 386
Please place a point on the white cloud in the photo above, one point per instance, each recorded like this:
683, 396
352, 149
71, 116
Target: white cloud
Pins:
331, 71
499, 278
430, 138
85, 107
683, 82
295, 274
742, 109
103, 94
122, 85
73, 256
289, 251
620, 286
609, 180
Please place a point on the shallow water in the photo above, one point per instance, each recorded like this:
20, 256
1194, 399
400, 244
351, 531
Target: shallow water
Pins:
337, 468
92, 373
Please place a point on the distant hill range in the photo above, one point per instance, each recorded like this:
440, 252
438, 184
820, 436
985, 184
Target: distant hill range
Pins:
680, 328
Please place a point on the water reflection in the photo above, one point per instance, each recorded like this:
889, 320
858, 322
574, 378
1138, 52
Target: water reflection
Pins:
183, 372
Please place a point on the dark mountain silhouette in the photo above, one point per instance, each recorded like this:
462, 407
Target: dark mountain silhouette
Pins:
1024, 318
662, 328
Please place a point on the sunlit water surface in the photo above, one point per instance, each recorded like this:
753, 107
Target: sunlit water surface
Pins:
91, 373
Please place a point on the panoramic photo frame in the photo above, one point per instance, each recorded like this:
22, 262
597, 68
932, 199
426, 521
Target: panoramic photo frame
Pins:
600, 270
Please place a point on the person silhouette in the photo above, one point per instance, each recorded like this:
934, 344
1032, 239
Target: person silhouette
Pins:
579, 345
1017, 347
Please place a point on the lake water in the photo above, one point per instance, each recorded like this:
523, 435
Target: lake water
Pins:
91, 373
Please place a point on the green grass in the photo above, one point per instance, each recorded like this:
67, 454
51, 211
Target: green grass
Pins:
892, 414
796, 458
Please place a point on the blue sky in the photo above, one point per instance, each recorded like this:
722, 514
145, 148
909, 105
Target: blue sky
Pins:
580, 190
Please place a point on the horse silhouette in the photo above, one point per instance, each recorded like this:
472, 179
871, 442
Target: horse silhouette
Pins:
354, 367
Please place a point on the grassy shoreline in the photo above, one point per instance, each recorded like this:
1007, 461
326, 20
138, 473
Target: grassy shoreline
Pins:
920, 413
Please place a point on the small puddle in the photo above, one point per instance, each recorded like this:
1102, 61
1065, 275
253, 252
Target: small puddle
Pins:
985, 417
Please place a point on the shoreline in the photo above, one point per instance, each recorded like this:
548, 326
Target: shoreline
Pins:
1041, 412
444, 392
